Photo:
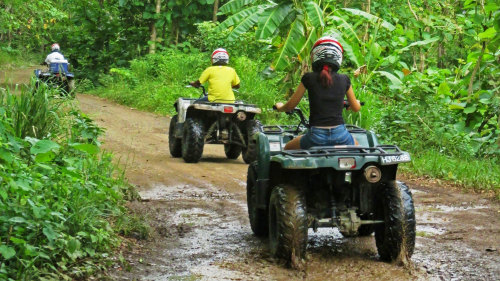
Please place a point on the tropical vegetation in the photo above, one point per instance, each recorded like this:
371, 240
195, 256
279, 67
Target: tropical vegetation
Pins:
428, 72
60, 195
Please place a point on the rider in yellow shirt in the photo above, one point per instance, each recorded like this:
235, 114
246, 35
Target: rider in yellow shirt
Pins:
221, 78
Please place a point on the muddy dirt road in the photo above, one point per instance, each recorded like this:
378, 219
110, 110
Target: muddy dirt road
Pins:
201, 231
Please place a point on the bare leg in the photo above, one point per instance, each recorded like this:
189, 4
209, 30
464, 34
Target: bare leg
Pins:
293, 144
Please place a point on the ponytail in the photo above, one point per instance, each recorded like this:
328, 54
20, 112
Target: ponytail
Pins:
325, 77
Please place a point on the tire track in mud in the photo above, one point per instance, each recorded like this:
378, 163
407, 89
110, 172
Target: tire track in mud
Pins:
201, 230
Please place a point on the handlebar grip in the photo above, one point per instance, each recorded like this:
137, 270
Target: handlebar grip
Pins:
347, 104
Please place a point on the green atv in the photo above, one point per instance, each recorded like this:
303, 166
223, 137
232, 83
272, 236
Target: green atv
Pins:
353, 188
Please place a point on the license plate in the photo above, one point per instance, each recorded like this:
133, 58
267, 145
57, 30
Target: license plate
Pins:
393, 159
274, 146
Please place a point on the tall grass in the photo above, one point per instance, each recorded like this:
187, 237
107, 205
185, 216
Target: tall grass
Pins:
59, 195
34, 113
13, 58
476, 174
155, 82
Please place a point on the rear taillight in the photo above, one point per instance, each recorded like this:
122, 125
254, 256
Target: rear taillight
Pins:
347, 163
228, 109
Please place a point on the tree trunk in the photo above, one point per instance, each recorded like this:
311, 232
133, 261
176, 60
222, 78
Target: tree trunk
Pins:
474, 72
152, 47
216, 10
366, 37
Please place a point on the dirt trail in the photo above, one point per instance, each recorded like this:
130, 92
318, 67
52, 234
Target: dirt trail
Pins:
13, 78
201, 229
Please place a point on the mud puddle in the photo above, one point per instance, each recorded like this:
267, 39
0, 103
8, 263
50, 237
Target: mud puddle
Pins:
201, 230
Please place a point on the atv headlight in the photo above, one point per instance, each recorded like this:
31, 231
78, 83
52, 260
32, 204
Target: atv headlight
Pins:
373, 174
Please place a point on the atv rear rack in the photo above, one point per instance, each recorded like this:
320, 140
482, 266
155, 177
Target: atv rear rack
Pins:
279, 129
325, 151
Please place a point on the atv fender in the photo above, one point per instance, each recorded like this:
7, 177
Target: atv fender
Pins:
263, 160
182, 106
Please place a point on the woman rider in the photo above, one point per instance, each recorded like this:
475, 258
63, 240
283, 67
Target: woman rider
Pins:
326, 89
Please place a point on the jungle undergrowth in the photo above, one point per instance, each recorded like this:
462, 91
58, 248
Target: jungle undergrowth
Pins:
61, 197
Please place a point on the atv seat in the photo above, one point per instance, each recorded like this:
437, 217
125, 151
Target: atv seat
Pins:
59, 67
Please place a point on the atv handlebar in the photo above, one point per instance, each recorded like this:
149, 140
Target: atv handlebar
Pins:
347, 104
204, 92
303, 120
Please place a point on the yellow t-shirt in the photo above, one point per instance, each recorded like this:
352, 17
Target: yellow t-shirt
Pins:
221, 78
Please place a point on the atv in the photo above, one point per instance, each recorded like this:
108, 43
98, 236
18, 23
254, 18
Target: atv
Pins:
201, 122
351, 187
56, 76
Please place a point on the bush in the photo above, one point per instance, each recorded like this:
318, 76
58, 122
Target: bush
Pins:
58, 192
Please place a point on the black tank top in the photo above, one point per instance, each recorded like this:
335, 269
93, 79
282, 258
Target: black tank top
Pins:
326, 104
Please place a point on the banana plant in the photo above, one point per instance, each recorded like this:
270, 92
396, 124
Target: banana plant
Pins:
291, 26
367, 55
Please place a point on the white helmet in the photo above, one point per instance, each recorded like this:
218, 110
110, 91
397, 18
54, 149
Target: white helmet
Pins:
326, 51
220, 56
55, 47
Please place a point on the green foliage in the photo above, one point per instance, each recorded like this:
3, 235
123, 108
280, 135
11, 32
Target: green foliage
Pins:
32, 114
471, 173
291, 26
58, 192
11, 58
209, 37
155, 82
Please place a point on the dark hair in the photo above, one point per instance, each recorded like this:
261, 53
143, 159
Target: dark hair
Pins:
325, 77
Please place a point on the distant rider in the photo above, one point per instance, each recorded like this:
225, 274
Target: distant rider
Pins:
326, 89
221, 78
55, 56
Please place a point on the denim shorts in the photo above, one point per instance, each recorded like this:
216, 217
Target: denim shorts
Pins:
326, 137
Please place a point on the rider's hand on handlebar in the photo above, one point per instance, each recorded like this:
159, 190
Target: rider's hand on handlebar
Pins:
195, 84
278, 106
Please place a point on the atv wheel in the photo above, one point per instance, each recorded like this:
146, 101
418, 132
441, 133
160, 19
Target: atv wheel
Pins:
396, 237
258, 217
192, 140
232, 151
250, 152
288, 223
174, 144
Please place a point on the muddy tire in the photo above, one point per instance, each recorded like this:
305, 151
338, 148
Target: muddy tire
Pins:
366, 230
232, 151
192, 140
288, 223
174, 144
250, 152
258, 217
395, 238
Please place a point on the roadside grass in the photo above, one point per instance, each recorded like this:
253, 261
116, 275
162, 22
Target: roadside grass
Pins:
480, 175
155, 82
60, 195
13, 58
